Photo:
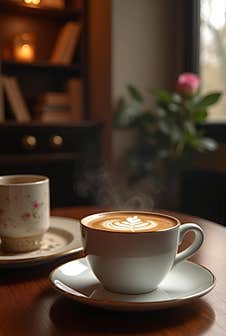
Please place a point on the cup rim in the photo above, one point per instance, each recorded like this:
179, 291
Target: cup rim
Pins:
99, 214
40, 179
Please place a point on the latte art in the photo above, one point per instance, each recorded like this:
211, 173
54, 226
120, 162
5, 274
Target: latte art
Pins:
132, 224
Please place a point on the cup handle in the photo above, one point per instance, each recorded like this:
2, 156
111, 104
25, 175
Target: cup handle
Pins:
195, 245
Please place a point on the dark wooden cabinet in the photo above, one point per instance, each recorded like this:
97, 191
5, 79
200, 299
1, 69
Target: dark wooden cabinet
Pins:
69, 155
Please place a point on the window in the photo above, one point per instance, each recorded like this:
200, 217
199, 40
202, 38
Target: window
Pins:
212, 58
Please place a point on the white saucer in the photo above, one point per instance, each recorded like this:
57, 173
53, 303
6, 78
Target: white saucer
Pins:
185, 282
63, 238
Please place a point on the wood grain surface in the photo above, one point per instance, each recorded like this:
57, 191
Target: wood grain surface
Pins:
30, 306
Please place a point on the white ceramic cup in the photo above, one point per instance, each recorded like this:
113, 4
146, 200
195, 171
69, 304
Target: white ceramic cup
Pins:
135, 263
24, 211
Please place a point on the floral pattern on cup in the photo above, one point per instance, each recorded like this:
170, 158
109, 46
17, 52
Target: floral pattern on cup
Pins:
34, 212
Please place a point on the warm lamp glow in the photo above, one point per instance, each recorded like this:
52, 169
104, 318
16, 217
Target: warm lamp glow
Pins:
32, 2
24, 50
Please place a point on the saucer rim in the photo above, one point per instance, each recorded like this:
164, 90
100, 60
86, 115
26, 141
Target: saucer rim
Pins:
49, 257
125, 305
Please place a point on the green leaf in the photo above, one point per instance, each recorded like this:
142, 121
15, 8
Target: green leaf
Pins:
200, 115
177, 99
118, 115
175, 134
161, 112
135, 94
126, 113
173, 107
189, 127
126, 118
207, 144
143, 120
163, 96
164, 126
209, 99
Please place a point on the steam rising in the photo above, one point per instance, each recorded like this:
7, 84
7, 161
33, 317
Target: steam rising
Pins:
114, 192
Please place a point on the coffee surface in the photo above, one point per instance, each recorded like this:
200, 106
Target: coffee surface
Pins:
129, 222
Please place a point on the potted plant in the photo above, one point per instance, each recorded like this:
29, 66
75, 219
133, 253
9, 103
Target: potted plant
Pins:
168, 136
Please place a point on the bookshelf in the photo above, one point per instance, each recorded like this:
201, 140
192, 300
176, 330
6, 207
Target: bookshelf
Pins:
50, 13
90, 60
53, 56
89, 66
11, 67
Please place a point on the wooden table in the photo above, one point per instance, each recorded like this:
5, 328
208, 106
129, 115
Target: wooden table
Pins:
30, 306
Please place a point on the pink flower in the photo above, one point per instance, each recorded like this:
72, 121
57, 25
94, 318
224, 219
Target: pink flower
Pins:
188, 84
35, 205
25, 216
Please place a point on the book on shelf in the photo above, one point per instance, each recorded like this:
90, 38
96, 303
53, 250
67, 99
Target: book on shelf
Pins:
16, 99
56, 117
53, 107
75, 93
66, 43
64, 106
54, 98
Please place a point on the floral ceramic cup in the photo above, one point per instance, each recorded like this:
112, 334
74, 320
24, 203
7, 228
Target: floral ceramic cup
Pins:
24, 211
